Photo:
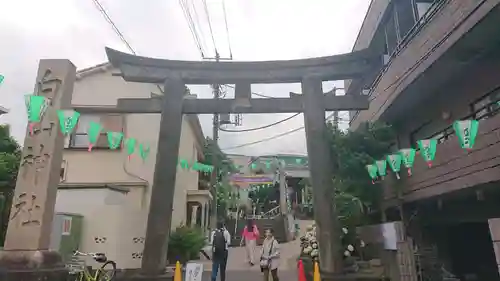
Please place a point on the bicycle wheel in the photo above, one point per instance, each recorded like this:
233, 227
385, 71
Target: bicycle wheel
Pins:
80, 276
107, 271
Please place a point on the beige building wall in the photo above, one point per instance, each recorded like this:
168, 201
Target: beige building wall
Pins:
101, 167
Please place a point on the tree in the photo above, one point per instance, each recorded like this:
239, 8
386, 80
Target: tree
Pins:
351, 152
10, 157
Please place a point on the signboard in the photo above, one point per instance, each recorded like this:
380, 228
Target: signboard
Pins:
66, 225
390, 236
194, 271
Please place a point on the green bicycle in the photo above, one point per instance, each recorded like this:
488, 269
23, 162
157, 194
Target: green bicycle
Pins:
105, 273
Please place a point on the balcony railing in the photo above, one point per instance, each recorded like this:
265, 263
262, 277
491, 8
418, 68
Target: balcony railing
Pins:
455, 168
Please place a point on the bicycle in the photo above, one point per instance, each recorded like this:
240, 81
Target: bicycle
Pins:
105, 273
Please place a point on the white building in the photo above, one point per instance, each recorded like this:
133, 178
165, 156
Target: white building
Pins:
112, 192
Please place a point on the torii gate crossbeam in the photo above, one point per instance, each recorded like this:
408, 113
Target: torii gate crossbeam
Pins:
313, 102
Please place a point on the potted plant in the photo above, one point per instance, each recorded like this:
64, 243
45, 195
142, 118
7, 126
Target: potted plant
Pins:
185, 244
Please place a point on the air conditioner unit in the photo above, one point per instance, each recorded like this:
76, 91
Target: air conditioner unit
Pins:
386, 58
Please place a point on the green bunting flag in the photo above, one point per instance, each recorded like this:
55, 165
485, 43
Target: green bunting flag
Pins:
93, 133
372, 171
298, 161
130, 144
428, 150
466, 131
144, 151
184, 164
268, 164
114, 139
35, 107
67, 120
196, 166
408, 157
253, 166
1, 79
394, 161
381, 167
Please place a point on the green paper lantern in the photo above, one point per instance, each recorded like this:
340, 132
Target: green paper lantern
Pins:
196, 166
144, 151
372, 171
36, 106
184, 164
114, 139
394, 161
130, 144
408, 158
93, 133
428, 150
466, 131
67, 120
381, 167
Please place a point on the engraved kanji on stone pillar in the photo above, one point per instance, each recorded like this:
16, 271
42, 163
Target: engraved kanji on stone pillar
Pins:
36, 187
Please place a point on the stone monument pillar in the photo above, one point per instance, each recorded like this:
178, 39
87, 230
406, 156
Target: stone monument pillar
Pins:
26, 248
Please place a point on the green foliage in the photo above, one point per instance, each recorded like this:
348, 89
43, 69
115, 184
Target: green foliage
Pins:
10, 157
185, 244
351, 151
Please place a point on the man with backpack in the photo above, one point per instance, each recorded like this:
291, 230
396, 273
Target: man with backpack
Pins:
220, 240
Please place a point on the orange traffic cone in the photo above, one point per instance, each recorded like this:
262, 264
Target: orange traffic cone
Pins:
316, 276
302, 273
178, 272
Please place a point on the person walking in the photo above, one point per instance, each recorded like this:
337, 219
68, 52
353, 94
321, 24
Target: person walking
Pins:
249, 237
220, 240
270, 255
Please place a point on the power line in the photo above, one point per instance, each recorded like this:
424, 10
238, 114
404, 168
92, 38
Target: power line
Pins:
227, 29
210, 26
262, 127
113, 25
270, 138
191, 25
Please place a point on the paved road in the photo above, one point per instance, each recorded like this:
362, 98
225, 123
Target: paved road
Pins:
238, 268
245, 275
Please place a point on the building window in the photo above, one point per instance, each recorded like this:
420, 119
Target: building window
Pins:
110, 122
391, 34
422, 7
486, 106
405, 16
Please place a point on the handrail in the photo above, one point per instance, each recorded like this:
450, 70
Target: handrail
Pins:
491, 111
267, 215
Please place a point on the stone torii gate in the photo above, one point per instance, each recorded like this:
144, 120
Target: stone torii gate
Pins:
174, 75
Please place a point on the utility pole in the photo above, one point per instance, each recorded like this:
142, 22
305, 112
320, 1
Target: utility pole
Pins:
215, 137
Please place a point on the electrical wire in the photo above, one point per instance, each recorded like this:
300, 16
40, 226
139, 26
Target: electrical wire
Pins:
260, 128
227, 29
271, 138
113, 25
191, 26
210, 26
115, 28
256, 94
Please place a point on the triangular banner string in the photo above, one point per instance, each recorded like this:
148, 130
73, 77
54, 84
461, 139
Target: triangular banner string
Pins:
466, 131
428, 150
408, 158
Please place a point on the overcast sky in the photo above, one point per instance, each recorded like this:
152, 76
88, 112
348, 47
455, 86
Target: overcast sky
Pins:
258, 29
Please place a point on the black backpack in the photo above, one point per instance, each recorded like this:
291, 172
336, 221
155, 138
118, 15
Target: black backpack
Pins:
219, 242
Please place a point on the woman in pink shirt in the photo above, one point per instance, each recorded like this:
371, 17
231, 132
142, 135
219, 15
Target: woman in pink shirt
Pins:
250, 235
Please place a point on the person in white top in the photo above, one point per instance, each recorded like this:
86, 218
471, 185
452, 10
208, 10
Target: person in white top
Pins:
220, 240
270, 256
